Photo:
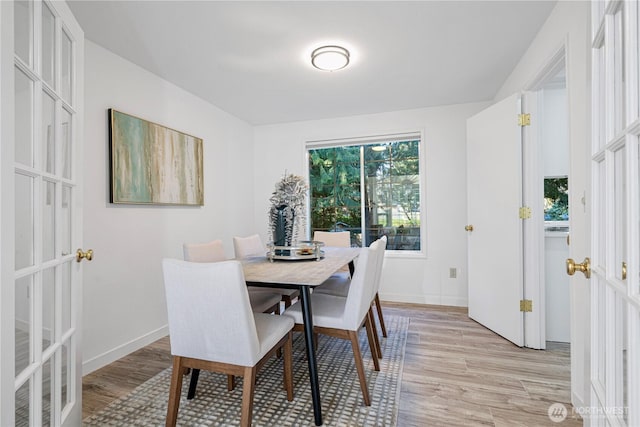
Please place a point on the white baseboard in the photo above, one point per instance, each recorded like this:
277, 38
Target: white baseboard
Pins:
111, 356
425, 299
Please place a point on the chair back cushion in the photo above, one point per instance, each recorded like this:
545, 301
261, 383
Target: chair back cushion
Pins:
379, 264
331, 238
210, 316
245, 247
361, 289
204, 252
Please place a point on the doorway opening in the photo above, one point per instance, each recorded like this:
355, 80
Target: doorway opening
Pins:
555, 177
547, 183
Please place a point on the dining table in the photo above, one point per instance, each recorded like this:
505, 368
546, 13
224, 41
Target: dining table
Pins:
304, 275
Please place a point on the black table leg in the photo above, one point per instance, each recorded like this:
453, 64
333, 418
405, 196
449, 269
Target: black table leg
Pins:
311, 352
193, 383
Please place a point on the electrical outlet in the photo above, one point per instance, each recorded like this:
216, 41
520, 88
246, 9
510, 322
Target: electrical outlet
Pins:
453, 273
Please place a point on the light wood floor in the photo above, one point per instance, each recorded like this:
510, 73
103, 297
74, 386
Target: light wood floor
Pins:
456, 372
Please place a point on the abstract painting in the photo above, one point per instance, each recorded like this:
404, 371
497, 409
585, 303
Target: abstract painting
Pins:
153, 164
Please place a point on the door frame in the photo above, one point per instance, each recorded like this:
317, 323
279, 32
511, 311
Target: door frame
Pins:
534, 278
7, 213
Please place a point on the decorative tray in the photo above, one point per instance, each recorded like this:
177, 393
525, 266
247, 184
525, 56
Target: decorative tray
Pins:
299, 251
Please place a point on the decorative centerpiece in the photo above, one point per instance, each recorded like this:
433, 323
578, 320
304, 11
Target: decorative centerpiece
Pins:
287, 214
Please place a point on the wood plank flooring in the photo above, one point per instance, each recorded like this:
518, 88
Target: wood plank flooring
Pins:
456, 373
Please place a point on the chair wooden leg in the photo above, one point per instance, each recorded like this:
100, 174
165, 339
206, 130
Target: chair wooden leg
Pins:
249, 384
288, 368
374, 330
353, 336
175, 389
371, 333
193, 383
287, 301
380, 317
231, 382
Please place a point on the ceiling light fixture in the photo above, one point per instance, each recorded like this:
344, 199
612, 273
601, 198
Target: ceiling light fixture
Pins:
330, 58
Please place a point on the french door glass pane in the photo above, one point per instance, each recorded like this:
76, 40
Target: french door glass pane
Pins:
65, 220
637, 56
597, 12
24, 221
601, 116
601, 334
621, 347
65, 77
48, 307
619, 75
65, 308
22, 406
66, 128
23, 118
620, 222
23, 29
48, 380
49, 221
48, 45
24, 290
602, 219
48, 133
67, 371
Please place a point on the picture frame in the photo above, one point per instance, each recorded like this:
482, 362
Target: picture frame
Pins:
152, 164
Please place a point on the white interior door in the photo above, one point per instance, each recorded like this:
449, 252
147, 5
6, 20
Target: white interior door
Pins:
494, 180
41, 202
615, 284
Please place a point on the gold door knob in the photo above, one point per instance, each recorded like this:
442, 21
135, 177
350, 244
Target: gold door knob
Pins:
86, 255
624, 270
468, 227
585, 267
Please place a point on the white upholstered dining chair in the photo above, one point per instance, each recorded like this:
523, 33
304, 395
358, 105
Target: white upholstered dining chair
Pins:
245, 247
338, 284
342, 317
212, 327
262, 300
341, 239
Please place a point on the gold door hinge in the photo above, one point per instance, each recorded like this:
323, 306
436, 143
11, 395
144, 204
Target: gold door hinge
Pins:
526, 305
524, 119
525, 212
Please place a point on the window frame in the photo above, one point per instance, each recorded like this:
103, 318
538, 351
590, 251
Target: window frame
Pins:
412, 134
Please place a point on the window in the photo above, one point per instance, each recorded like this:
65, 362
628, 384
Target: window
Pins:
370, 189
556, 201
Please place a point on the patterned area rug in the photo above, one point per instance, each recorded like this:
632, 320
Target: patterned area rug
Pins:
339, 390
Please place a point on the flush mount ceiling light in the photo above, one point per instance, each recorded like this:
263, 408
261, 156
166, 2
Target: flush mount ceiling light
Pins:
330, 58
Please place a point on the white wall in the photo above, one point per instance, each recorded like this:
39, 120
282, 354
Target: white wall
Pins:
555, 140
124, 305
406, 278
569, 24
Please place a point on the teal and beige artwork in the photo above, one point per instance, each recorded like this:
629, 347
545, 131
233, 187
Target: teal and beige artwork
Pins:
153, 164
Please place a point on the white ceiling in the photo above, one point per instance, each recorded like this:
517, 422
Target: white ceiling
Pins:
251, 59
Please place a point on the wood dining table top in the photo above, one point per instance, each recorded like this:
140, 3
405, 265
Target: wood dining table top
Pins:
298, 272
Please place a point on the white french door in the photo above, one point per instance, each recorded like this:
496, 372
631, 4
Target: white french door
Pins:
615, 280
41, 205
